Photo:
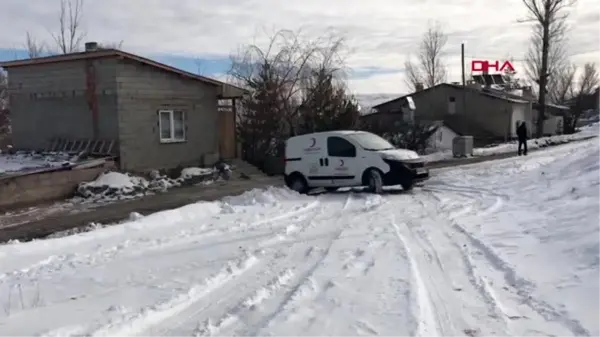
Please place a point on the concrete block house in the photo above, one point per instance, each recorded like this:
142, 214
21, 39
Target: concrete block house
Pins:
487, 115
153, 115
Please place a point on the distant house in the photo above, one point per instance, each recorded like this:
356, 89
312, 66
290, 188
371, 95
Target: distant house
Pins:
442, 139
147, 114
487, 115
587, 101
553, 118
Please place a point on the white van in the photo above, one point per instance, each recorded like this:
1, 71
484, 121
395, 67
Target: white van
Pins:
337, 159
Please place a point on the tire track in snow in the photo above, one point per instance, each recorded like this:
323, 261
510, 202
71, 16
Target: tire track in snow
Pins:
56, 263
475, 196
132, 324
503, 301
427, 324
178, 322
452, 284
227, 300
300, 288
156, 313
313, 289
354, 276
308, 251
522, 290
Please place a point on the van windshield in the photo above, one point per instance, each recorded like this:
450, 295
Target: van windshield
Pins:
371, 142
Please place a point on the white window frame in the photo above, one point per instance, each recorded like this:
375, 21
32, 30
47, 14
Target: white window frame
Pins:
171, 138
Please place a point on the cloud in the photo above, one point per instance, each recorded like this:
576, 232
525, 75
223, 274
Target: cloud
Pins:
380, 33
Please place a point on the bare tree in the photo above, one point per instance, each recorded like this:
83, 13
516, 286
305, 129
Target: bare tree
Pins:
292, 60
4, 108
563, 81
3, 90
414, 77
557, 59
296, 86
550, 25
429, 69
71, 34
586, 84
34, 47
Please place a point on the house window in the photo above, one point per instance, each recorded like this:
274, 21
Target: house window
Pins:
172, 126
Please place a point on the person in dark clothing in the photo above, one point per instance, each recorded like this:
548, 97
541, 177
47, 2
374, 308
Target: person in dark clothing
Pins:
522, 136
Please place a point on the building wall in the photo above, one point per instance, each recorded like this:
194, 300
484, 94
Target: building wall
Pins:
553, 125
142, 92
49, 101
491, 114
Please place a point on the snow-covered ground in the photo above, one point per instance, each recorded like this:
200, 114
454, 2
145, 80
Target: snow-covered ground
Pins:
585, 132
508, 247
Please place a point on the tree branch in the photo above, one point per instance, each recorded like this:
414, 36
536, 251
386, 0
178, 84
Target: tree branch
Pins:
429, 69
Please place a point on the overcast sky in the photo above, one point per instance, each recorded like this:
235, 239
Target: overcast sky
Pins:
380, 33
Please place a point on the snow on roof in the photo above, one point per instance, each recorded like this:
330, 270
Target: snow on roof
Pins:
21, 162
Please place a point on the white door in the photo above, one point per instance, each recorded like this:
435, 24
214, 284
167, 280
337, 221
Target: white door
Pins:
341, 162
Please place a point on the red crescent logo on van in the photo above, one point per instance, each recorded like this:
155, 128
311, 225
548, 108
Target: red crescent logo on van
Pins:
314, 142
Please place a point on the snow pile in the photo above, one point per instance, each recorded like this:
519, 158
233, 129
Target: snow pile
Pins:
27, 161
115, 186
190, 172
585, 132
272, 196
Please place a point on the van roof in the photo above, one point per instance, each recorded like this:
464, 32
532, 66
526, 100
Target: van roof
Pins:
325, 133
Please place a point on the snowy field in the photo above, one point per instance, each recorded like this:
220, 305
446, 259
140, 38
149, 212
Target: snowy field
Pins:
508, 247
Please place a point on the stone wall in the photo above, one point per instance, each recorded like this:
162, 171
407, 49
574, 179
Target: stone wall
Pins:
33, 189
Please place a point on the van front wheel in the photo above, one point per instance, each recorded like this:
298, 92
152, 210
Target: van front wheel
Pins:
374, 181
297, 183
407, 186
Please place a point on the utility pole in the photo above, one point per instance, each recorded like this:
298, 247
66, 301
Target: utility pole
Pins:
464, 83
462, 63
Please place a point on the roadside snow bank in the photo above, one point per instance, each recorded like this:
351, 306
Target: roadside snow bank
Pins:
588, 131
539, 142
200, 216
